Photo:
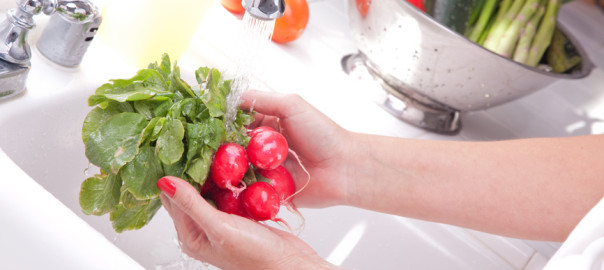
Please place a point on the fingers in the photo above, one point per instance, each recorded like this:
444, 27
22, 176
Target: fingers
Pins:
189, 202
273, 103
191, 235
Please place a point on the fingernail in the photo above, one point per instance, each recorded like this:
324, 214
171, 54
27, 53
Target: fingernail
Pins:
167, 186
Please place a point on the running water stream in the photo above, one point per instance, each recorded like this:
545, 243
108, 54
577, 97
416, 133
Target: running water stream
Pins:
254, 38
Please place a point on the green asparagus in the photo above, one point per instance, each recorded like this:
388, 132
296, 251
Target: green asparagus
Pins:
521, 30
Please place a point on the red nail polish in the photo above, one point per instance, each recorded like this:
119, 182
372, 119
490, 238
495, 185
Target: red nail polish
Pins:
167, 186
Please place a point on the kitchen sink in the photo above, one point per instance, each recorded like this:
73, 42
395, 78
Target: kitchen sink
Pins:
41, 133
40, 144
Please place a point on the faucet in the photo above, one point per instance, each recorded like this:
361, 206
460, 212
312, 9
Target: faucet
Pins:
265, 9
15, 52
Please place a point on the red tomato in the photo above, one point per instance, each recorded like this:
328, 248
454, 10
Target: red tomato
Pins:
293, 22
363, 6
418, 4
234, 6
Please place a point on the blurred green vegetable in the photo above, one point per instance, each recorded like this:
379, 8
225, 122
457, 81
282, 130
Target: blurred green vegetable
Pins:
561, 55
519, 29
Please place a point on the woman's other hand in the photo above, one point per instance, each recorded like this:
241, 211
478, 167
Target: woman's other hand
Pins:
230, 241
320, 143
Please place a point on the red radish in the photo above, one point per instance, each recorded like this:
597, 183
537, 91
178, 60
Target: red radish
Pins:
229, 202
257, 130
282, 182
229, 166
261, 201
267, 149
207, 188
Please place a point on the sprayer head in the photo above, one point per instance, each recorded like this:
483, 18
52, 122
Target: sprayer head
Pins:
265, 9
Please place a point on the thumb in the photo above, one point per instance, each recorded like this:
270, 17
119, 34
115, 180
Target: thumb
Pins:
187, 199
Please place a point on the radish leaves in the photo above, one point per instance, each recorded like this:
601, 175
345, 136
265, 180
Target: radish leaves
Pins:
148, 126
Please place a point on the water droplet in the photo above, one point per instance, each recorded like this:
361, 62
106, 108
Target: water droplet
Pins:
487, 95
482, 85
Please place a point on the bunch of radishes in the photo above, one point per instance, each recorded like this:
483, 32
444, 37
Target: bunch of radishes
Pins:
261, 200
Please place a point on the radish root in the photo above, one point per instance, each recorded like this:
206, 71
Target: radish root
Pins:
236, 190
287, 201
292, 209
283, 223
304, 169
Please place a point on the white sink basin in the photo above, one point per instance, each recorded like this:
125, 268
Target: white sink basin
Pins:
41, 133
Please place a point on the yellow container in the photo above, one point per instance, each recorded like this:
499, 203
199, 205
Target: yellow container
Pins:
142, 30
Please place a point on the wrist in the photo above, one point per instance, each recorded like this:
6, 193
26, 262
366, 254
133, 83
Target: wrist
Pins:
356, 169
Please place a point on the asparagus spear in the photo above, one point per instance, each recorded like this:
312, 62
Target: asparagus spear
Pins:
544, 34
503, 8
510, 37
498, 29
486, 31
477, 10
526, 36
483, 20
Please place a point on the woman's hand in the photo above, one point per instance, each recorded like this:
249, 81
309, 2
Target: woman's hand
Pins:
320, 143
230, 241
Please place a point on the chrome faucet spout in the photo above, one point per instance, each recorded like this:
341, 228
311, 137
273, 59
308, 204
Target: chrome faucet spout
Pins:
13, 33
265, 9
